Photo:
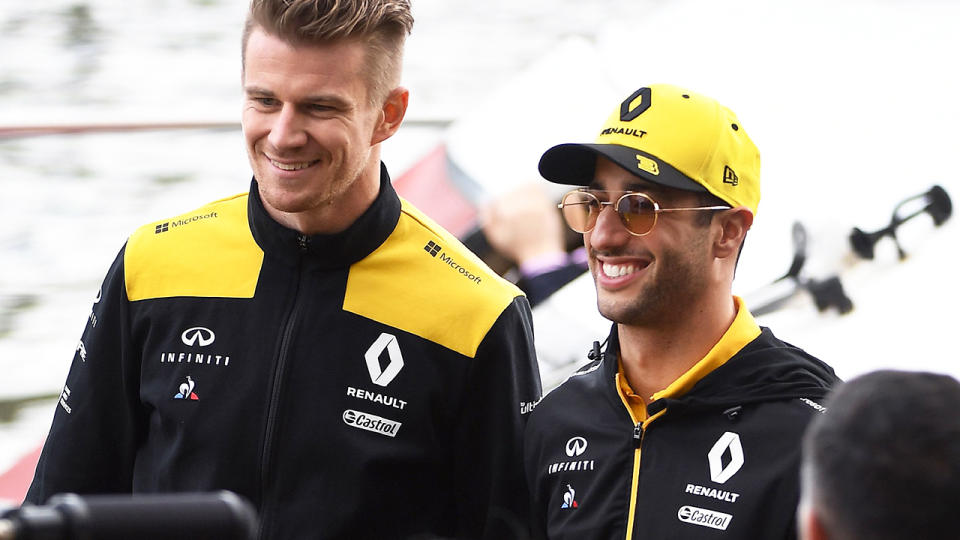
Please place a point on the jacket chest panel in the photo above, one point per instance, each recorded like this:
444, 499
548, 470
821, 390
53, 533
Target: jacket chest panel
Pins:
705, 475
355, 380
695, 475
218, 348
583, 477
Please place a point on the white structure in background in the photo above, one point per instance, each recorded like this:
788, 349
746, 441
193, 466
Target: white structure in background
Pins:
853, 108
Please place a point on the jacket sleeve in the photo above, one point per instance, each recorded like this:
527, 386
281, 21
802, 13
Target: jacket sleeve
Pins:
502, 389
91, 445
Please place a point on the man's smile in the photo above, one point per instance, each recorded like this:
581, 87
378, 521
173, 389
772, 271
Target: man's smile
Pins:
296, 166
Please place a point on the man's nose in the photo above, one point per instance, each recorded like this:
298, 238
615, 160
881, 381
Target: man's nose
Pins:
287, 130
608, 230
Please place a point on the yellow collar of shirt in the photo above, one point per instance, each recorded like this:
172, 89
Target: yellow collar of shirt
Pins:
743, 330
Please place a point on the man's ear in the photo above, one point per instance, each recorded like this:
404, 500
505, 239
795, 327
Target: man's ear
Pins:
734, 224
391, 114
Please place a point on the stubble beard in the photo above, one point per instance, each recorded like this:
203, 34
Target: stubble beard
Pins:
332, 182
666, 296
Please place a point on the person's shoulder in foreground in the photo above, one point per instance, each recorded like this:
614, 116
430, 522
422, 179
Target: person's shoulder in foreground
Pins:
687, 424
883, 463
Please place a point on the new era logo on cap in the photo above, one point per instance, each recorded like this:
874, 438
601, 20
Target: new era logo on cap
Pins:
730, 177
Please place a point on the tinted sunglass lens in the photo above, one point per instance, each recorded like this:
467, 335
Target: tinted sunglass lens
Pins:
637, 212
580, 211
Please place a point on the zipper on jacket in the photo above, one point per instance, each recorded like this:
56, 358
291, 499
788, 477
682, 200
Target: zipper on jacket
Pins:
637, 437
634, 476
639, 432
274, 403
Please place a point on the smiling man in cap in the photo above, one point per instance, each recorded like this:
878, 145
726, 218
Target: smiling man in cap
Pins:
687, 424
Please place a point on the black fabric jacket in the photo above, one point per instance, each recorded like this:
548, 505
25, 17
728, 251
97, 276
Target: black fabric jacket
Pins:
722, 461
368, 384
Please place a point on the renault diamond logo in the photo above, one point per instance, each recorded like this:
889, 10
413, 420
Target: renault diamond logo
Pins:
633, 107
197, 335
718, 472
379, 375
576, 446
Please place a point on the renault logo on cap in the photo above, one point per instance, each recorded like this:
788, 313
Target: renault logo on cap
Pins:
197, 335
382, 376
633, 107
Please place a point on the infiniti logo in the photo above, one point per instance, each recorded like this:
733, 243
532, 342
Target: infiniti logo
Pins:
197, 335
576, 446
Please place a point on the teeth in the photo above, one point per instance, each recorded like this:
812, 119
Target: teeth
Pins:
292, 166
618, 270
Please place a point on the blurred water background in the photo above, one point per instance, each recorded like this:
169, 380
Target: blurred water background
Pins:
852, 104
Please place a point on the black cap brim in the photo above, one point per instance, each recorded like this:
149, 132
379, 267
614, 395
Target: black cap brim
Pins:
574, 164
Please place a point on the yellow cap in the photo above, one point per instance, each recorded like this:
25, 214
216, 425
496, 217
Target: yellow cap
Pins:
669, 136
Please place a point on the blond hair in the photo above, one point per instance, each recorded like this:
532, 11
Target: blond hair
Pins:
382, 25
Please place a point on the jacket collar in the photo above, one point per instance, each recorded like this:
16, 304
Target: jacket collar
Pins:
755, 367
327, 251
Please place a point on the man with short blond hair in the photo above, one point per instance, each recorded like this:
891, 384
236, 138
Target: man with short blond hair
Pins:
381, 26
317, 344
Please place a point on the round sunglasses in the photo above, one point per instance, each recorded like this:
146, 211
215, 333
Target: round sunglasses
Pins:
638, 211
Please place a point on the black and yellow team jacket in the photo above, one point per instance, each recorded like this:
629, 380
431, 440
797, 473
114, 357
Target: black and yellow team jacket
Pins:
715, 455
369, 384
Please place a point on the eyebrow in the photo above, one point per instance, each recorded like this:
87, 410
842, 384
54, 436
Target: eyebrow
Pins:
319, 98
257, 90
647, 187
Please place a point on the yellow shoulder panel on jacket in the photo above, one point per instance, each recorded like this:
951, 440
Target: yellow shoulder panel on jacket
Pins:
422, 280
209, 252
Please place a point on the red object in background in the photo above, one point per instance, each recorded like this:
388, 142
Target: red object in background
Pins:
15, 481
429, 187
